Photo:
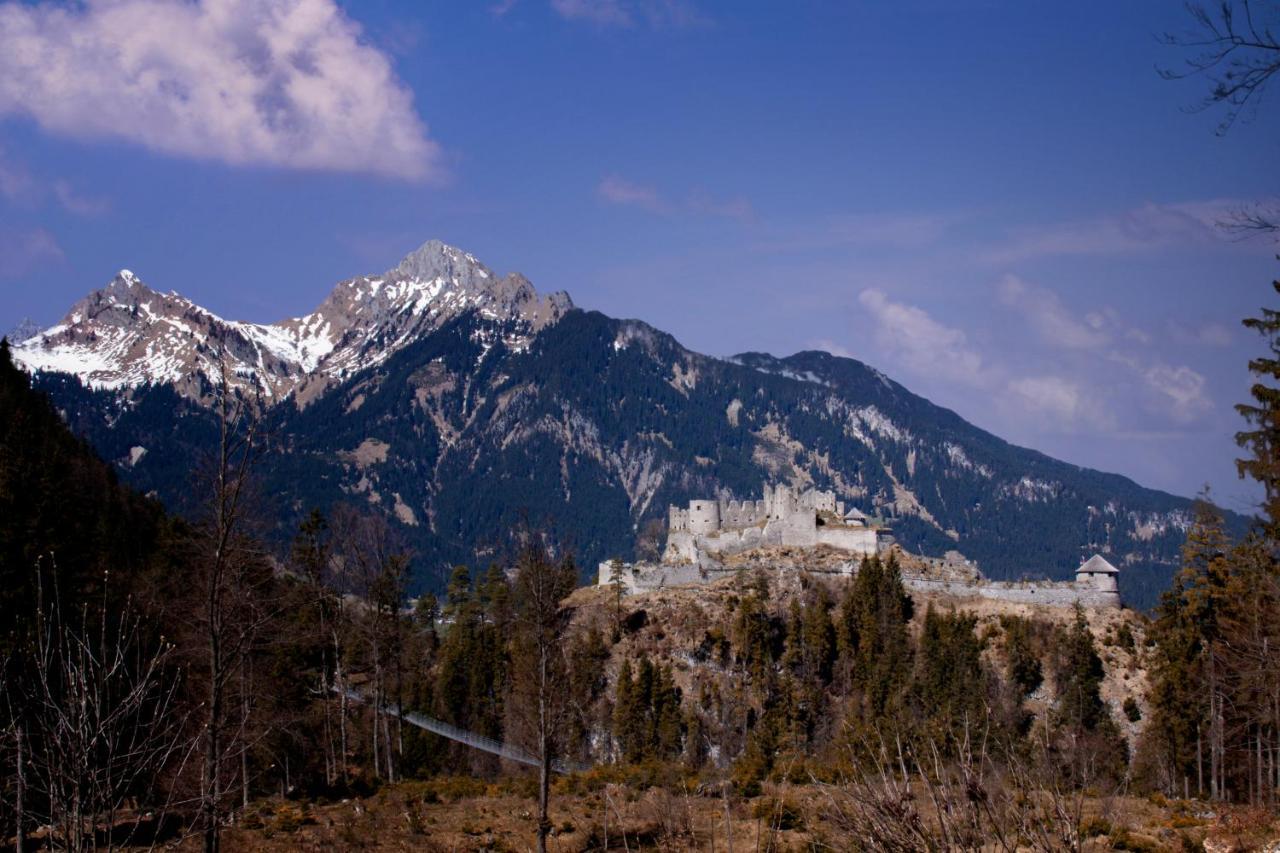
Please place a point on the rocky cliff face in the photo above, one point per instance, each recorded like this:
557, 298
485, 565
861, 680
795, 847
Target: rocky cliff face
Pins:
462, 405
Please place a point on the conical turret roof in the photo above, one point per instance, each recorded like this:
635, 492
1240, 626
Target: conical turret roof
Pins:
1096, 565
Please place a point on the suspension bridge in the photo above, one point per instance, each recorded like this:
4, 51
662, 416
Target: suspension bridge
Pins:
468, 738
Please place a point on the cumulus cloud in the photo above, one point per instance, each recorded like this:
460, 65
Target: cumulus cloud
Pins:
920, 343
285, 83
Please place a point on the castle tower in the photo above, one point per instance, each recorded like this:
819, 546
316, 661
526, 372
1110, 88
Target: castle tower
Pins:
1098, 574
704, 517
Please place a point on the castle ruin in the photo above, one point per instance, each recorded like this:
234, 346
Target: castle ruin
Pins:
706, 533
785, 516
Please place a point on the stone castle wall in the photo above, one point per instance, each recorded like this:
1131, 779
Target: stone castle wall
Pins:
647, 577
707, 531
1049, 594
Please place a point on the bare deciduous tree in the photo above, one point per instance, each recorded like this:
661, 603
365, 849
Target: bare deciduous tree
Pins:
233, 608
540, 683
95, 723
372, 563
914, 796
1236, 46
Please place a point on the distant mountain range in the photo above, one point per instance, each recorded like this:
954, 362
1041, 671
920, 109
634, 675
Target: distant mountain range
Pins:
463, 404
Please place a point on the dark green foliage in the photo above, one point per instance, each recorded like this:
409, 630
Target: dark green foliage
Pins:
62, 506
647, 718
588, 655
872, 634
1263, 415
1079, 677
949, 686
1023, 662
1188, 622
755, 634
472, 673
1088, 745
817, 640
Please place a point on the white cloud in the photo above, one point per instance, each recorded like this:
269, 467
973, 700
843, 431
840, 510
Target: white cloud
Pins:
1051, 319
1150, 227
620, 191
1062, 401
730, 208
1087, 375
1210, 334
1180, 388
16, 183
22, 250
609, 13
626, 13
73, 201
286, 83
830, 346
920, 343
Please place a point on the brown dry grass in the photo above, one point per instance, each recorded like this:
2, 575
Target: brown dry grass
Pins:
426, 817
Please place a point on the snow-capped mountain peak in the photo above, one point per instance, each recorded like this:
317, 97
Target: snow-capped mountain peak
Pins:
126, 334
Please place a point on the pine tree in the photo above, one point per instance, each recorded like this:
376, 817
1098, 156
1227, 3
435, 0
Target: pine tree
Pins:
949, 684
624, 714
818, 639
668, 720
1079, 678
1023, 666
1263, 414
753, 636
882, 658
1206, 577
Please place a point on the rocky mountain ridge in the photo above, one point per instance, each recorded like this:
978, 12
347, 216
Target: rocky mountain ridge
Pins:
127, 335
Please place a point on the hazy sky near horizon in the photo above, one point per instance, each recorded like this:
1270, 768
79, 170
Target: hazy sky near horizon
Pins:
1001, 205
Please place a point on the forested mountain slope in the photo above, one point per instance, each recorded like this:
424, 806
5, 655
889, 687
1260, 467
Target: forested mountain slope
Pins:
480, 421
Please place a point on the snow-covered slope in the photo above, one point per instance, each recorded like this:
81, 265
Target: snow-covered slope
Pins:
126, 334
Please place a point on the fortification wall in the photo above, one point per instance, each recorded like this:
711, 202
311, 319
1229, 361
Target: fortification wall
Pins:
1050, 594
824, 501
677, 520
741, 513
681, 547
859, 540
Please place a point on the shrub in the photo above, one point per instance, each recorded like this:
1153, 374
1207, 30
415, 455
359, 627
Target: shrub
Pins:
779, 813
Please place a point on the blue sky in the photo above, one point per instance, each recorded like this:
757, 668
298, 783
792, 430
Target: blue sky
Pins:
999, 204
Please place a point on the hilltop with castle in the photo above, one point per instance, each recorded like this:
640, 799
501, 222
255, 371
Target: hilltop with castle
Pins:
792, 526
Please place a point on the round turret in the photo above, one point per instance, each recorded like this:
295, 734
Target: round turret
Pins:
704, 517
1098, 574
